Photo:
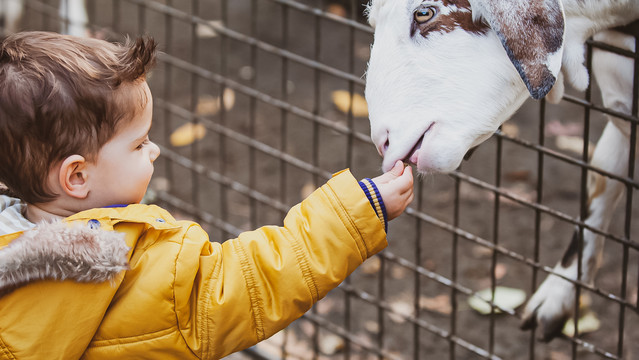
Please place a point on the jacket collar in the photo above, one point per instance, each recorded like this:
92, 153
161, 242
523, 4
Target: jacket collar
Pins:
80, 248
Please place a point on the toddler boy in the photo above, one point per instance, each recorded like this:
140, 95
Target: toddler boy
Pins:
88, 272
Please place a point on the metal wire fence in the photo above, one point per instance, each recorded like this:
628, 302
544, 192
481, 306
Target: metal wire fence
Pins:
250, 115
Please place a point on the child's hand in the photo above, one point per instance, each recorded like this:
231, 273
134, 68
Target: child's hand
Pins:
396, 189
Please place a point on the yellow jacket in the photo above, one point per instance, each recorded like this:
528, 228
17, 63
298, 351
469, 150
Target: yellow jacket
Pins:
182, 296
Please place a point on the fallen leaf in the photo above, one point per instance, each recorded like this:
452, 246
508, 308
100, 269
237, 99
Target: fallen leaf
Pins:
210, 105
398, 272
325, 306
439, 303
430, 265
336, 9
556, 355
203, 31
363, 51
342, 100
295, 348
517, 175
519, 190
574, 144
510, 129
187, 134
587, 324
400, 310
307, 190
371, 326
160, 184
308, 328
473, 193
247, 72
556, 128
482, 252
290, 87
371, 266
506, 298
330, 344
500, 271
584, 303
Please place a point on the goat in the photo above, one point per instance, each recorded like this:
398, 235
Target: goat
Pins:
73, 15
443, 75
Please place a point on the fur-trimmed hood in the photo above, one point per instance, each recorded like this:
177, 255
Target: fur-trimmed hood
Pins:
61, 251
55, 251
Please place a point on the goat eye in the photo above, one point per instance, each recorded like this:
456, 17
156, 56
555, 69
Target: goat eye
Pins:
424, 14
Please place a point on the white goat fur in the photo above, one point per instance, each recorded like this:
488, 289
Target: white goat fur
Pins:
73, 13
435, 92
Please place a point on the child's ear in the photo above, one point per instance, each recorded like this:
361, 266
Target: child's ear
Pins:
74, 176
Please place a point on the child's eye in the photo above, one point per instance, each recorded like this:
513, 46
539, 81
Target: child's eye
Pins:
146, 141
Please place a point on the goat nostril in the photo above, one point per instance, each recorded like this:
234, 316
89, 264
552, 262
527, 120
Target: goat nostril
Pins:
382, 143
384, 148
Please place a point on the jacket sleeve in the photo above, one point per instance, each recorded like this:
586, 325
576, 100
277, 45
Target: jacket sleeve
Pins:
250, 287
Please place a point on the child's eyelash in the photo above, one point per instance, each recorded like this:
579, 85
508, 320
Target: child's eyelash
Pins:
146, 141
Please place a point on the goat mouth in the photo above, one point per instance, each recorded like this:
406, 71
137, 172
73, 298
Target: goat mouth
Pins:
413, 155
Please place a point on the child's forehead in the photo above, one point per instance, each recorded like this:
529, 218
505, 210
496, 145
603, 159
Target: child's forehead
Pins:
137, 93
134, 102
132, 98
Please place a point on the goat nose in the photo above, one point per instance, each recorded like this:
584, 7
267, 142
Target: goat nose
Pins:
383, 145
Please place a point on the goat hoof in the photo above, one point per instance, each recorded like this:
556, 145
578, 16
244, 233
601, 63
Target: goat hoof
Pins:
549, 308
550, 327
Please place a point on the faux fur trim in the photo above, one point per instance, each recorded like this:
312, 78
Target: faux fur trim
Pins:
57, 251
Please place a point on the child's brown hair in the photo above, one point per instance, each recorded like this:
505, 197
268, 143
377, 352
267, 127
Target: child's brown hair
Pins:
62, 95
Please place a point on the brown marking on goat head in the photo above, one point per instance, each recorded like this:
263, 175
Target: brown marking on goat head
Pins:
459, 17
529, 32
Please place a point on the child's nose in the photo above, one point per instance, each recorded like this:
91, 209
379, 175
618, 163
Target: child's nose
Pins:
154, 151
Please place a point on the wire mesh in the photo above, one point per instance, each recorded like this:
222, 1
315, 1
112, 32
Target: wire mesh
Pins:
254, 85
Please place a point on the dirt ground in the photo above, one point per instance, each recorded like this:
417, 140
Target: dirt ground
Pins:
425, 242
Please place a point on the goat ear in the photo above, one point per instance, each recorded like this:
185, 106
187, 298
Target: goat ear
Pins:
532, 33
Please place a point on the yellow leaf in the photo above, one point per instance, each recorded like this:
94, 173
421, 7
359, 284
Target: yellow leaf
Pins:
331, 344
210, 105
439, 303
506, 298
371, 266
500, 271
307, 190
400, 311
187, 134
337, 9
510, 129
587, 324
573, 144
207, 31
342, 100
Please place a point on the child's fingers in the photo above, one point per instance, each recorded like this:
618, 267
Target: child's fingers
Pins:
405, 181
392, 174
398, 168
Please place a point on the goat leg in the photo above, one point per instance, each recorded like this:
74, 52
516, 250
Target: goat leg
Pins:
554, 302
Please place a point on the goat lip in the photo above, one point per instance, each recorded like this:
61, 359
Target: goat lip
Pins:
413, 155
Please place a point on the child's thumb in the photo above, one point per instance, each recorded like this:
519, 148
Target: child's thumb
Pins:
398, 168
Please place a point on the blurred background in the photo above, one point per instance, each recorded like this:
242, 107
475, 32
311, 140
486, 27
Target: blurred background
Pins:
258, 102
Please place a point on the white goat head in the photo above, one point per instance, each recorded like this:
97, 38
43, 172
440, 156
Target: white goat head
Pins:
439, 81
